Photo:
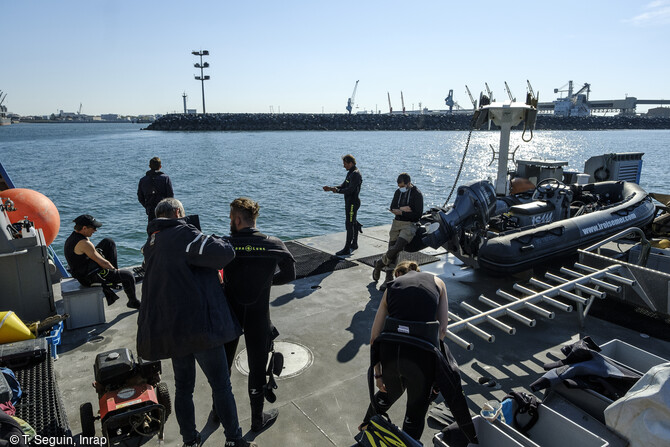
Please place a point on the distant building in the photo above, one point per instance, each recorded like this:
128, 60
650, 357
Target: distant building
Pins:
191, 111
659, 112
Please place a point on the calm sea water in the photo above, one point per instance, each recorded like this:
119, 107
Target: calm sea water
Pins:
94, 168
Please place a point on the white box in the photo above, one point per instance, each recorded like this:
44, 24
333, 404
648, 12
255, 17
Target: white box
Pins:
488, 435
630, 356
549, 424
84, 304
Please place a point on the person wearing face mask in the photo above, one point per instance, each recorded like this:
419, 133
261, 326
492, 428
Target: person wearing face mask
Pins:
407, 206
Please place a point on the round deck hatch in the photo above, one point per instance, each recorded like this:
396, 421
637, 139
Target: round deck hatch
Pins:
297, 358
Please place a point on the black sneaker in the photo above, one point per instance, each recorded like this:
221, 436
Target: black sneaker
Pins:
134, 304
195, 443
344, 252
240, 443
267, 419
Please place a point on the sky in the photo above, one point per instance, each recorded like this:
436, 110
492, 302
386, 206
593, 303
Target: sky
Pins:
134, 57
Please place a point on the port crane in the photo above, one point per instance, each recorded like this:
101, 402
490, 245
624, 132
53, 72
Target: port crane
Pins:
488, 90
472, 100
509, 93
449, 100
79, 111
402, 101
350, 102
390, 108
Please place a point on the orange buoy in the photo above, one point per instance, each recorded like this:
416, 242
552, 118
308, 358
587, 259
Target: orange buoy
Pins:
39, 209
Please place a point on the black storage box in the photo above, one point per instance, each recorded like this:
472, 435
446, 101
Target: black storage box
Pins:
23, 354
114, 366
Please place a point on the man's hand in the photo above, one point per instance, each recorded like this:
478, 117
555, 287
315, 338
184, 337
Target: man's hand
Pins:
328, 188
396, 211
406, 209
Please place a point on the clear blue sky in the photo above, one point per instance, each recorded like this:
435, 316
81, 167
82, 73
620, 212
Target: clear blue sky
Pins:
134, 57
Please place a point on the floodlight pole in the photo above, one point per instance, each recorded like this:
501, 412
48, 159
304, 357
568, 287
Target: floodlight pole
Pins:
202, 78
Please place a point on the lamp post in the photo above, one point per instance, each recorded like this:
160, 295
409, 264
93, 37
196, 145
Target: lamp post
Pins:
202, 78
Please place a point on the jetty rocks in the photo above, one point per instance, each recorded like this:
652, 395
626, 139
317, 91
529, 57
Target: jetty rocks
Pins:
329, 122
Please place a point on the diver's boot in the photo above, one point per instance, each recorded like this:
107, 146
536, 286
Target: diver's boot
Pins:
388, 279
260, 420
344, 252
359, 227
376, 273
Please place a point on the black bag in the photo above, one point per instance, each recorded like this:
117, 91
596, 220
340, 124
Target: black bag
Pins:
526, 404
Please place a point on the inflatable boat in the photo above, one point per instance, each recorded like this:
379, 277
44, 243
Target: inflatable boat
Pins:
512, 234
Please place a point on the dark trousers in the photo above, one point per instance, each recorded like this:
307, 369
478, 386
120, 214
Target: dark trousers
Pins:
107, 248
406, 369
255, 321
351, 224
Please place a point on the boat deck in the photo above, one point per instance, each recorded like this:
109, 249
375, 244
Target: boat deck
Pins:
331, 315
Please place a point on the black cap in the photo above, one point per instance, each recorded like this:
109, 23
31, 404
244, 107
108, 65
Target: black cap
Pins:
88, 221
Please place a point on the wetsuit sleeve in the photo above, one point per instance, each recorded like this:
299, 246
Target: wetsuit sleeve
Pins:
396, 198
209, 251
354, 184
286, 271
140, 194
416, 203
168, 188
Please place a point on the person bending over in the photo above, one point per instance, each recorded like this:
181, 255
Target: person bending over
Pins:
91, 264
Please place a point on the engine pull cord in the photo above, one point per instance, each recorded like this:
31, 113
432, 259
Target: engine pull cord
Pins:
460, 169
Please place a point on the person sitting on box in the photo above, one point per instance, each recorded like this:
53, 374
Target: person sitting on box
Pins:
91, 264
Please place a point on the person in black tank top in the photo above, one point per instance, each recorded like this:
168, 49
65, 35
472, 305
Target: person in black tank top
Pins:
97, 264
412, 296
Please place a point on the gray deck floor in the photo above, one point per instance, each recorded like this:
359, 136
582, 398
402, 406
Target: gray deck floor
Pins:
331, 314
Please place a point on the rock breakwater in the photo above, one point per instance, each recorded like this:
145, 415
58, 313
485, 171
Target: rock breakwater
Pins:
274, 122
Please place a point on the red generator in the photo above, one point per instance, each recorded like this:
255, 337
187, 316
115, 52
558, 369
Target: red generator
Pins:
134, 404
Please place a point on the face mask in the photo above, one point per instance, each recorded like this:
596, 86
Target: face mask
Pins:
403, 189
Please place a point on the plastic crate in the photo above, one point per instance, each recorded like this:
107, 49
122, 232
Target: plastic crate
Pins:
54, 339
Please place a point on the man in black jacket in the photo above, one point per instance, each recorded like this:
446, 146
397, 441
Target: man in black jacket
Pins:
153, 187
407, 206
247, 281
351, 187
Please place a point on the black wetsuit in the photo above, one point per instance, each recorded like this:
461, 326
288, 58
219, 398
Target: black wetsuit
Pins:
152, 188
351, 187
87, 271
247, 281
413, 296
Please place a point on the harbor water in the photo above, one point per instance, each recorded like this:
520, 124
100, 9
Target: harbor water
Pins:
95, 168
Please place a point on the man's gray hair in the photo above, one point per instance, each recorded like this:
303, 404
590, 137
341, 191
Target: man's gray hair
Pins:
168, 206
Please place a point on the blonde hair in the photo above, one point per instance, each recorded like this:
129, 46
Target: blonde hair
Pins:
247, 208
404, 267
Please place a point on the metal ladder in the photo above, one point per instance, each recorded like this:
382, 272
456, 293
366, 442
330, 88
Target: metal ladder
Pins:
579, 289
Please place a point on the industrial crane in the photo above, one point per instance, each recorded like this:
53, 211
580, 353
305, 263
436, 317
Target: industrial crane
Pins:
472, 100
402, 101
488, 90
586, 87
79, 111
449, 100
350, 102
509, 93
530, 89
390, 108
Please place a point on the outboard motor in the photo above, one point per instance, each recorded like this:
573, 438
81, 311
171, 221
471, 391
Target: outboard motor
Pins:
474, 205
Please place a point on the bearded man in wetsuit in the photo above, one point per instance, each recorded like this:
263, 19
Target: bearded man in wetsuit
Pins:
247, 282
97, 264
350, 188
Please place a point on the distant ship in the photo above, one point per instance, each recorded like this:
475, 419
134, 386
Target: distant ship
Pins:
4, 119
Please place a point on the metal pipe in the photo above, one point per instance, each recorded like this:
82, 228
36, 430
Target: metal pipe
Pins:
608, 275
15, 253
538, 310
476, 330
579, 299
595, 281
520, 318
460, 342
578, 285
557, 304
